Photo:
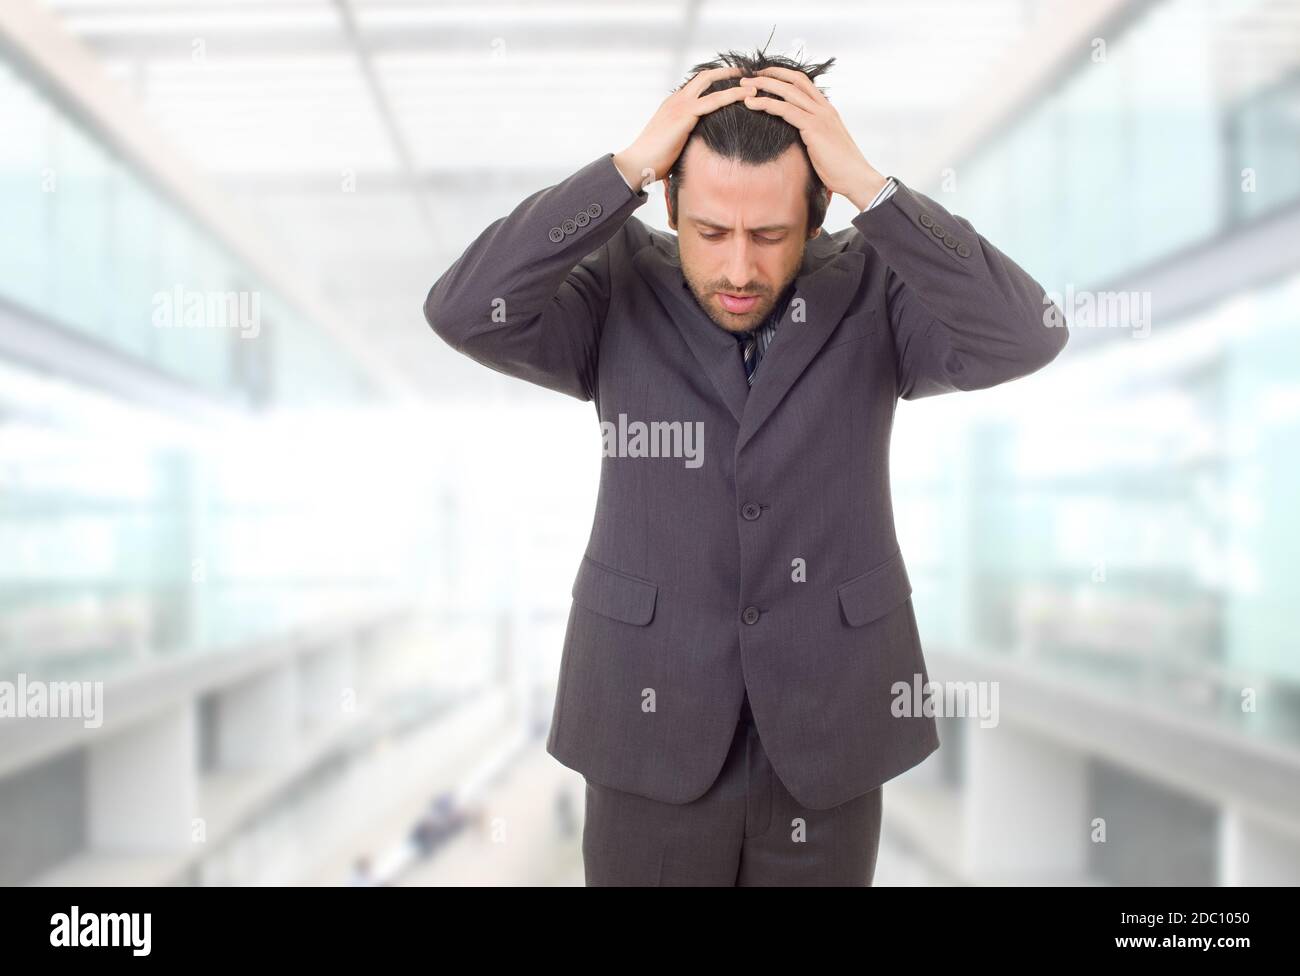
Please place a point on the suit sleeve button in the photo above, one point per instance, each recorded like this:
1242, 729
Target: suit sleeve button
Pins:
569, 226
556, 235
582, 218
594, 211
926, 220
963, 250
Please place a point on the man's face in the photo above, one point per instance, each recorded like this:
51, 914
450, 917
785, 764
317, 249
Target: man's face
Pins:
741, 231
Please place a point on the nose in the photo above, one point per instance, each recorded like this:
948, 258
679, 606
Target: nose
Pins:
741, 270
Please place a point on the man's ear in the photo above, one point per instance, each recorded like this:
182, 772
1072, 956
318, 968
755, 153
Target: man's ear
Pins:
829, 194
668, 205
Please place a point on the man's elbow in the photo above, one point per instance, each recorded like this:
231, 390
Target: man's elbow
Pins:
445, 323
1054, 332
1041, 342
1045, 334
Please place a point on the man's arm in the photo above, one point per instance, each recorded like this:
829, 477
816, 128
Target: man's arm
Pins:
963, 314
523, 299
529, 295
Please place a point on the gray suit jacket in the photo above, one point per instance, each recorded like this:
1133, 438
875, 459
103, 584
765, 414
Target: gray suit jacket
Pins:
690, 592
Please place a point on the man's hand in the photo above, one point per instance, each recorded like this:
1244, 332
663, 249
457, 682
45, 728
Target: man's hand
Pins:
834, 155
657, 147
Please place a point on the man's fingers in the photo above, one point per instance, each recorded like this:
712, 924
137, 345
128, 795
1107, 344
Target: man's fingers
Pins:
799, 80
793, 114
711, 103
791, 93
707, 77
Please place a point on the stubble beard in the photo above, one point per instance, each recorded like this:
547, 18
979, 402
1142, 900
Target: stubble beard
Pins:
705, 296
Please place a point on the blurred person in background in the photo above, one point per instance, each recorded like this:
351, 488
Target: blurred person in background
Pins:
362, 875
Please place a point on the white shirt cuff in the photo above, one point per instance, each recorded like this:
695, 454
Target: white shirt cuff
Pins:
885, 193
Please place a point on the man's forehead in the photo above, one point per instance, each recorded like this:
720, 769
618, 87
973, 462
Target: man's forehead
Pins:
771, 194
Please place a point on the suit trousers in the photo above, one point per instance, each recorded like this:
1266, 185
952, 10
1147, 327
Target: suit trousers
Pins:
745, 830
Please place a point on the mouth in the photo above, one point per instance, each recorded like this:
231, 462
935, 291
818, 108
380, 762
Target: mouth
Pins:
737, 304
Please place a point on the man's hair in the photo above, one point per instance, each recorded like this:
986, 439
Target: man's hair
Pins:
742, 134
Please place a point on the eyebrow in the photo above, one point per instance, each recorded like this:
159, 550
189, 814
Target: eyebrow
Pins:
704, 221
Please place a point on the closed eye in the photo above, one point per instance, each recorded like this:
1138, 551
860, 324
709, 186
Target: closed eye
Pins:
760, 238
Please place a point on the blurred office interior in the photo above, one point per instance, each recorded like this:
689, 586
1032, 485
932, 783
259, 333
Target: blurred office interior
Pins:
321, 564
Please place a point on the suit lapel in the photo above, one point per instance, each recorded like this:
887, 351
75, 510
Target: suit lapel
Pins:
825, 283
716, 350
826, 291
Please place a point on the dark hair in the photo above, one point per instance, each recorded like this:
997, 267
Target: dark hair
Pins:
737, 132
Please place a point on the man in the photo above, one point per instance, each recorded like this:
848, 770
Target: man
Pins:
741, 651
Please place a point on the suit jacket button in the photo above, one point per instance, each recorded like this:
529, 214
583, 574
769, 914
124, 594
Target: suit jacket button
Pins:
963, 250
569, 225
751, 511
556, 235
593, 211
750, 616
582, 218
950, 241
938, 231
926, 220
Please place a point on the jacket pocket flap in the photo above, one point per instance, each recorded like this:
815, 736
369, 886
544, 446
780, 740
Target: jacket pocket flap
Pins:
614, 594
875, 592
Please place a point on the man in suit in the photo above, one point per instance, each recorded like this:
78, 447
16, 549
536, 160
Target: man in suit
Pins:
741, 657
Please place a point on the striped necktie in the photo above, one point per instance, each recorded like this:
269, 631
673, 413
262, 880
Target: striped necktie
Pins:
749, 353
753, 344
